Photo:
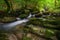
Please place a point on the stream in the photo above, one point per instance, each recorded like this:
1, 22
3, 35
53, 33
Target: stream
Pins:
9, 26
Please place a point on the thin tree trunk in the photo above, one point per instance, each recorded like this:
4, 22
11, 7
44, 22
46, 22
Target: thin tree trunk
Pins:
8, 5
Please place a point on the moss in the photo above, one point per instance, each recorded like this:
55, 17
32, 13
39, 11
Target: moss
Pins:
26, 38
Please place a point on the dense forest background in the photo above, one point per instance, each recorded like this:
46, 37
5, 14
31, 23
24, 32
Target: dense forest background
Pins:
44, 26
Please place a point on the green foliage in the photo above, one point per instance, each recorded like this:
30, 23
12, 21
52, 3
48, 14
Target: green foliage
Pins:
3, 36
49, 33
33, 6
2, 5
26, 38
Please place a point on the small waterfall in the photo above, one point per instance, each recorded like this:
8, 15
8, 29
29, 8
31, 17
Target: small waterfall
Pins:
9, 26
30, 15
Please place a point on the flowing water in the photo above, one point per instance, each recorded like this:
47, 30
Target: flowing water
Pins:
14, 24
9, 26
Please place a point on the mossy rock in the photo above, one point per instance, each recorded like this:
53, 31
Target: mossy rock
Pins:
7, 19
